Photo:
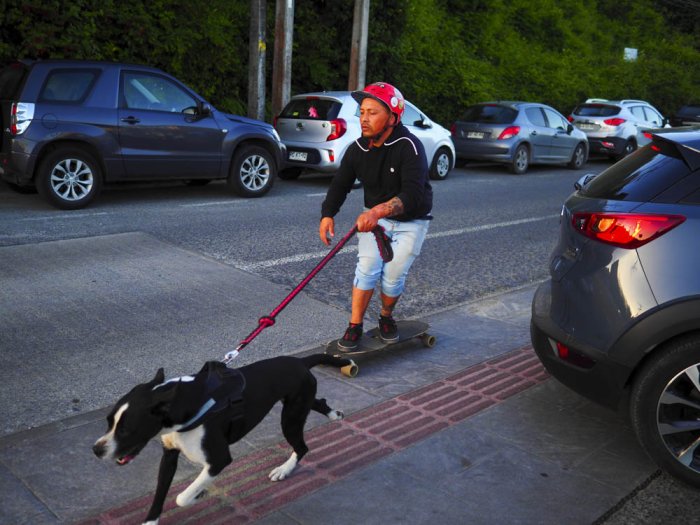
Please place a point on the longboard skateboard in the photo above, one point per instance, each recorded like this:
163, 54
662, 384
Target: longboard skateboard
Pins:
371, 342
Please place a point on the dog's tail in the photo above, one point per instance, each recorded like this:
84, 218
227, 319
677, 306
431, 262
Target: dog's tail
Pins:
324, 359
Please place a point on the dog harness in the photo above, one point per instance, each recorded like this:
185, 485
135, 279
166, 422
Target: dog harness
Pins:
222, 388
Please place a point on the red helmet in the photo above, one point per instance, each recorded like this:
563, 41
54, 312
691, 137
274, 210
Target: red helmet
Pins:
384, 93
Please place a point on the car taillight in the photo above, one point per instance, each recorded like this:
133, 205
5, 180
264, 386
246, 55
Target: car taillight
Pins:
274, 121
614, 121
509, 132
453, 129
625, 230
570, 118
338, 129
21, 115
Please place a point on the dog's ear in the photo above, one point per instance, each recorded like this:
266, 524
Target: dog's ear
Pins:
159, 377
162, 401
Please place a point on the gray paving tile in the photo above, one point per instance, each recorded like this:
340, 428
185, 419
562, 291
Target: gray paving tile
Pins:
62, 473
19, 505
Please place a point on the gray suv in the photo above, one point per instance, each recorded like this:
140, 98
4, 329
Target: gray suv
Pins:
69, 126
612, 126
619, 319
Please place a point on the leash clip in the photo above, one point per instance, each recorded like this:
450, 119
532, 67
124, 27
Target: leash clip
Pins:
230, 356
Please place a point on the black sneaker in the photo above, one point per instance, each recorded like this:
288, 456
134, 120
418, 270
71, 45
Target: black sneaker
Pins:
351, 340
388, 332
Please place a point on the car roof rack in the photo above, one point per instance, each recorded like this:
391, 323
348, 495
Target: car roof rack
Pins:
588, 100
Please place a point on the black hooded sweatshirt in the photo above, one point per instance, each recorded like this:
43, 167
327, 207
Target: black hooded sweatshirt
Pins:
397, 168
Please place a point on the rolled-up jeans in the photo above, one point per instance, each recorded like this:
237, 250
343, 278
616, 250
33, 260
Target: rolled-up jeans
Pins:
406, 241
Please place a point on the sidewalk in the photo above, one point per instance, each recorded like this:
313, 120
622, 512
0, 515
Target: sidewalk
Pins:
470, 431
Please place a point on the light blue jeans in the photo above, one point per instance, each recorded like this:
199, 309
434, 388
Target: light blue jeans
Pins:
406, 241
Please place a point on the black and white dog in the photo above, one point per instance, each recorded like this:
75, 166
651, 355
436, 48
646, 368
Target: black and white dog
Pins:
201, 415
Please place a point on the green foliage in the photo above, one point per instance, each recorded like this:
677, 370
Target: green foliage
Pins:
443, 54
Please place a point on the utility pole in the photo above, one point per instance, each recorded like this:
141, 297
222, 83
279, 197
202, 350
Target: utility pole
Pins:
358, 49
282, 63
256, 60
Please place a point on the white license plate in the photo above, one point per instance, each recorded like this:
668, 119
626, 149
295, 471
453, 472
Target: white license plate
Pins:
475, 135
298, 155
586, 126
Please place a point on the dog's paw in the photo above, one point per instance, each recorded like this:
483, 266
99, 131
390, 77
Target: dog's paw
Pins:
336, 415
284, 470
152, 522
183, 500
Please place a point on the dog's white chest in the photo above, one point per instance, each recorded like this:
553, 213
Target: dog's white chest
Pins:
189, 443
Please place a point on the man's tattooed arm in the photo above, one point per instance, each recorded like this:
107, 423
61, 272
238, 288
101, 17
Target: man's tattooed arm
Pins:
390, 208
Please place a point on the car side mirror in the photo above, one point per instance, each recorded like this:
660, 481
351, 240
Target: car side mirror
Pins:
581, 183
569, 128
203, 109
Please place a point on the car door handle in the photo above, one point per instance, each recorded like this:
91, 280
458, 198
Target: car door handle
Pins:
131, 120
533, 133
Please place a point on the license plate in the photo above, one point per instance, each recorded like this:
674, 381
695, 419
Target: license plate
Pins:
298, 155
586, 126
476, 135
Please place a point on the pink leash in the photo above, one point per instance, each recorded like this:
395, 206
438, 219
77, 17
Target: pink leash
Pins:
269, 320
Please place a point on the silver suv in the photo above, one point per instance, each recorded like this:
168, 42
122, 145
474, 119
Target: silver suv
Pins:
317, 129
612, 126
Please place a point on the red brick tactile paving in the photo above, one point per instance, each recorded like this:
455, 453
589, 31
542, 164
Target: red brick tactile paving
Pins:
243, 492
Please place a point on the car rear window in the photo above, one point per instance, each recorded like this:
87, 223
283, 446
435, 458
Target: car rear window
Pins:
489, 114
596, 110
311, 108
639, 177
11, 79
66, 85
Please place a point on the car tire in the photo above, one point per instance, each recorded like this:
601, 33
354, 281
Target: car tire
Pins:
665, 399
69, 178
252, 172
521, 160
441, 165
578, 159
290, 173
630, 147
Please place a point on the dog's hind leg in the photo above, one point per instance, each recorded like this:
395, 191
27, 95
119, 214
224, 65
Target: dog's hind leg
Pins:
322, 407
166, 472
295, 410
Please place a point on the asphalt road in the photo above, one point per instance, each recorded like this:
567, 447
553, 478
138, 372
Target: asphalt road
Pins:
492, 230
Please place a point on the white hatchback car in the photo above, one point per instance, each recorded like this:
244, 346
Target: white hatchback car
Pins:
317, 129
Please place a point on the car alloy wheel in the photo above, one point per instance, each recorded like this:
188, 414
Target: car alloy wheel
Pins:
441, 165
665, 408
521, 160
69, 178
252, 172
579, 157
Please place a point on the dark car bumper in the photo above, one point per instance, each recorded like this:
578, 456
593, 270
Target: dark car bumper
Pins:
607, 145
586, 370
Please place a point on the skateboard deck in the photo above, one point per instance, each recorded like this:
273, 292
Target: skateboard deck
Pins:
371, 341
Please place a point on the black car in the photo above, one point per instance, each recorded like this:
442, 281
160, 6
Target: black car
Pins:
619, 319
686, 115
71, 125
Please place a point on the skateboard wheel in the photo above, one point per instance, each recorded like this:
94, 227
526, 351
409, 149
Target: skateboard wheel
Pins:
350, 370
428, 340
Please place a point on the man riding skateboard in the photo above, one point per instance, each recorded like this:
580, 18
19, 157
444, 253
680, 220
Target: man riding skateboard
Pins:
391, 164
